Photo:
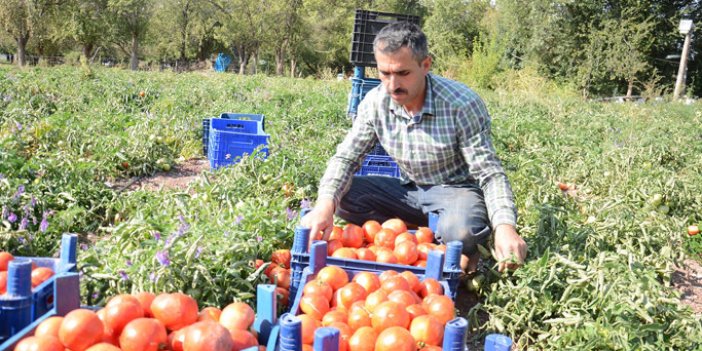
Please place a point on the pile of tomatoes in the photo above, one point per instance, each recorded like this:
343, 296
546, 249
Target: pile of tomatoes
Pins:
389, 311
389, 242
147, 322
39, 274
279, 273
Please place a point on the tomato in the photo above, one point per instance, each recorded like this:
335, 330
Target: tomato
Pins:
350, 293
308, 326
397, 282
269, 270
385, 255
369, 281
316, 306
416, 310
385, 238
3, 282
108, 335
420, 263
405, 237
81, 329
175, 310
395, 339
207, 336
427, 330
335, 276
241, 339
563, 186
403, 298
281, 257
40, 275
423, 250
406, 252
283, 295
281, 277
387, 274
345, 333
390, 314
352, 236
318, 287
374, 299
117, 315
424, 235
334, 316
40, 343
693, 230
358, 317
441, 307
370, 228
336, 233
146, 299
144, 334
237, 316
333, 245
430, 286
413, 281
176, 339
49, 327
365, 254
5, 258
345, 253
103, 346
363, 339
395, 224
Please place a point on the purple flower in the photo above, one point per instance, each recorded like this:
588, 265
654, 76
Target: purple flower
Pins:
291, 214
24, 223
259, 238
22, 240
305, 204
153, 277
162, 258
198, 252
157, 235
238, 219
83, 247
2, 176
12, 217
96, 295
18, 125
20, 191
44, 225
33, 203
129, 263
123, 274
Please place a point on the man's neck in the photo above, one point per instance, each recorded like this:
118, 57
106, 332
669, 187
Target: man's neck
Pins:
415, 107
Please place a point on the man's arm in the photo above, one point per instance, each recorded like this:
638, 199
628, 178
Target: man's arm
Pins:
485, 167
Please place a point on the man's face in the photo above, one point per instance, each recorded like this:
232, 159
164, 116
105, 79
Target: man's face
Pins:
402, 76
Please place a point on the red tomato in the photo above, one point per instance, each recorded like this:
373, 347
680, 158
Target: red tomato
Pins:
237, 316
144, 334
117, 315
175, 310
363, 339
146, 299
207, 336
81, 329
281, 257
427, 330
49, 327
395, 339
5, 258
40, 343
40, 275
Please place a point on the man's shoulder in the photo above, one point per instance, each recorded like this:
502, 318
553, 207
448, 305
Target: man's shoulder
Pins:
453, 92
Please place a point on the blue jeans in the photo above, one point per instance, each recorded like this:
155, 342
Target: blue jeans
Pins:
461, 208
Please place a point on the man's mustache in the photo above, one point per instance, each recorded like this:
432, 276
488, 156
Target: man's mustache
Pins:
399, 91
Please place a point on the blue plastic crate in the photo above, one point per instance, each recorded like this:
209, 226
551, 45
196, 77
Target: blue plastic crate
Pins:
235, 135
379, 166
366, 26
359, 88
16, 321
455, 331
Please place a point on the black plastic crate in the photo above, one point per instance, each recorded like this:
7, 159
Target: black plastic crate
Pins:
365, 26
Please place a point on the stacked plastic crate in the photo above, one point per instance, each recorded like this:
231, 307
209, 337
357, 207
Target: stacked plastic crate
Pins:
231, 136
366, 26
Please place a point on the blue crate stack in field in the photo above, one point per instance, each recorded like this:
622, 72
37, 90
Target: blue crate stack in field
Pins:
232, 136
366, 26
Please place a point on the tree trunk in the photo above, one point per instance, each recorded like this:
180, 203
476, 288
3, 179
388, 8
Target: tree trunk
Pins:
243, 59
630, 89
254, 56
293, 67
21, 50
279, 60
87, 50
134, 60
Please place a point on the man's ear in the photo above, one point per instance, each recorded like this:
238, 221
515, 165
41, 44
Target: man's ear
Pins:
426, 64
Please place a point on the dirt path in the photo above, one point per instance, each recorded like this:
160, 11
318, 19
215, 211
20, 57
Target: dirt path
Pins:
179, 177
688, 280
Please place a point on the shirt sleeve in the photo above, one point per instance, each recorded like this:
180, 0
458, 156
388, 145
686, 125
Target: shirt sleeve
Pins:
477, 149
347, 160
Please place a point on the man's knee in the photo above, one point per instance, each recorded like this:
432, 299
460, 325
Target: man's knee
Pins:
469, 230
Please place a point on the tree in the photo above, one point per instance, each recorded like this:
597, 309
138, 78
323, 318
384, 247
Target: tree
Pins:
88, 24
132, 18
22, 18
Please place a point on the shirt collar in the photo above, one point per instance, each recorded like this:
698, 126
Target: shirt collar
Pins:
427, 107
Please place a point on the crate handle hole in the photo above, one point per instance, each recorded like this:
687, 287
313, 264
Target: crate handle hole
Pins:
235, 126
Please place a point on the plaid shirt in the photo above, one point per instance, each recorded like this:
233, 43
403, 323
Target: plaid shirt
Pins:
447, 143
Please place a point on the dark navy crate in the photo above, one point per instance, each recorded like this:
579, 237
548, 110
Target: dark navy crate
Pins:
379, 166
16, 320
366, 26
232, 137
455, 331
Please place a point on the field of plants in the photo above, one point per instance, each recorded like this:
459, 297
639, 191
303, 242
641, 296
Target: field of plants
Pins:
602, 246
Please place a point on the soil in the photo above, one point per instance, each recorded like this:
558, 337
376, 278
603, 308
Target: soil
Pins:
688, 280
179, 177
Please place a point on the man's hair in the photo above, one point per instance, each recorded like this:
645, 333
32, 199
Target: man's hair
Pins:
394, 36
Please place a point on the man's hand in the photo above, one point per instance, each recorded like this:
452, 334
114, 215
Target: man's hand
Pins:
508, 245
321, 218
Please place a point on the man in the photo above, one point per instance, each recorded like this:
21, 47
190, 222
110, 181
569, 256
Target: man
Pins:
438, 132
